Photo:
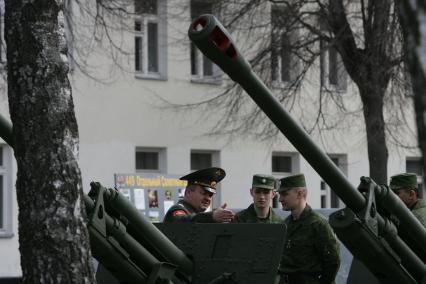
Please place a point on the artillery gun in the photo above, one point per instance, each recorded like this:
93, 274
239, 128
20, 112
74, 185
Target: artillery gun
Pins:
136, 251
393, 256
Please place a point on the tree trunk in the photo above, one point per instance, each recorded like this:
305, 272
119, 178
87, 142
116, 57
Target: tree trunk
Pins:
413, 22
372, 98
53, 237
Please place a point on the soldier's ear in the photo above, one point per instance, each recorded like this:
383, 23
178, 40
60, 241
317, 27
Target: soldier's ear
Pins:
300, 192
251, 191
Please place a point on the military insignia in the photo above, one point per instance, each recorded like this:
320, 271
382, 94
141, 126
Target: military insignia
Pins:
263, 180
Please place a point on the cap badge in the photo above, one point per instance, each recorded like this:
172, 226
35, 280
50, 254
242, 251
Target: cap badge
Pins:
263, 180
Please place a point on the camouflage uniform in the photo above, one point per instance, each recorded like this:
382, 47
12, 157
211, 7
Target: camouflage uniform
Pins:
249, 216
419, 210
311, 251
408, 181
184, 212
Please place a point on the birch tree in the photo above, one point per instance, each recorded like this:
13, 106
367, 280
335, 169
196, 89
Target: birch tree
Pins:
53, 238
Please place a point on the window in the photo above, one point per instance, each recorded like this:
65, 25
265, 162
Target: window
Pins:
150, 39
414, 165
333, 74
201, 159
281, 164
202, 68
332, 71
329, 198
5, 191
283, 62
284, 163
150, 159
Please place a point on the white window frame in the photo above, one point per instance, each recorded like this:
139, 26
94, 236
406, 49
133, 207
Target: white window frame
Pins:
215, 156
342, 75
199, 77
162, 159
144, 20
6, 231
295, 163
295, 168
293, 69
342, 164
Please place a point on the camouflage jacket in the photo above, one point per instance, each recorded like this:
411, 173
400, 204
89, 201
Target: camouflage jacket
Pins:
310, 247
419, 210
184, 212
249, 216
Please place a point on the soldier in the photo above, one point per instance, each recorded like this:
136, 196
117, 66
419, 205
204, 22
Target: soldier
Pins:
262, 191
405, 186
311, 251
197, 199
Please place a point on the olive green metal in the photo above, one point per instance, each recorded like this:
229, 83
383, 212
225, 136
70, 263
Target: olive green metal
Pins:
137, 253
124, 270
410, 228
148, 231
352, 233
6, 131
214, 41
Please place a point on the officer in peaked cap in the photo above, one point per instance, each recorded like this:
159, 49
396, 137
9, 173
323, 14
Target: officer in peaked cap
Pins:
199, 191
405, 186
260, 211
311, 250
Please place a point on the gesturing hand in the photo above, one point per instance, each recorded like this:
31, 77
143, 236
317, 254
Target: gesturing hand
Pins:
222, 215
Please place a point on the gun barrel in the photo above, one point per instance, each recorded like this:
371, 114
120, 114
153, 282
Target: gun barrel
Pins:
144, 259
411, 230
149, 232
213, 40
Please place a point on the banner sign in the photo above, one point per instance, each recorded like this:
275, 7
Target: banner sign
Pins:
152, 194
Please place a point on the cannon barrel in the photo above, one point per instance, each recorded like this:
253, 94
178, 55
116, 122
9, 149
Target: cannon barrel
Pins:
208, 34
214, 41
136, 233
142, 256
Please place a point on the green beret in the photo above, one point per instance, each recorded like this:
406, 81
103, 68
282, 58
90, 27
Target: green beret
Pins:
263, 181
405, 180
290, 182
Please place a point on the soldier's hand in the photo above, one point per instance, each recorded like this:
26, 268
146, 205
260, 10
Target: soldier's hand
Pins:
223, 215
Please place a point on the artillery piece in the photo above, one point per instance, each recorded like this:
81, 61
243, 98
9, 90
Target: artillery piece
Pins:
370, 237
136, 251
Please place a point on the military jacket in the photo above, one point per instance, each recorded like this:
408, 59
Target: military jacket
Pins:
310, 247
419, 210
249, 216
184, 212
